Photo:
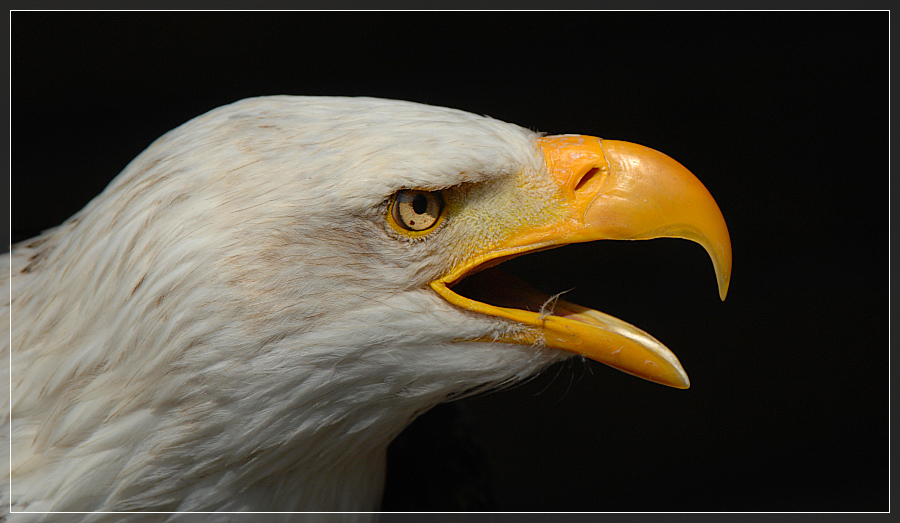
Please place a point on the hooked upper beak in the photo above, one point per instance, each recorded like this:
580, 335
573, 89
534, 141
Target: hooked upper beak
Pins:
609, 190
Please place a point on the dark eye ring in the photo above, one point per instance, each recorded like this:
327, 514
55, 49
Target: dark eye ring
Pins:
416, 211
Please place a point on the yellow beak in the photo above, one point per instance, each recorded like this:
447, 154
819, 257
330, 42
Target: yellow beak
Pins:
609, 190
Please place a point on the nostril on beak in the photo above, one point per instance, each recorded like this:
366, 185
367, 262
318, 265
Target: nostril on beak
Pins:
588, 176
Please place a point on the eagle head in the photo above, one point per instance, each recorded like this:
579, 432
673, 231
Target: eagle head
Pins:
268, 294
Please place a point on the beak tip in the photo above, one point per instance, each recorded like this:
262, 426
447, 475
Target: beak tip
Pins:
678, 382
723, 277
685, 381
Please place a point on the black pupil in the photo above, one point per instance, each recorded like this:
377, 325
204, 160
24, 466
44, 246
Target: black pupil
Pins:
420, 204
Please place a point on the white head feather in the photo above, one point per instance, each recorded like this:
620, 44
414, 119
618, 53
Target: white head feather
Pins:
230, 326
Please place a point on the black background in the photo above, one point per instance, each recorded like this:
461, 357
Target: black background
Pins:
783, 116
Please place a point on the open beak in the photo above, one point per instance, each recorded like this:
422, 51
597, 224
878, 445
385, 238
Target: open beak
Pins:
608, 190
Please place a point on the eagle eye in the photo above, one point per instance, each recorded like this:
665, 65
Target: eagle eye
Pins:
416, 211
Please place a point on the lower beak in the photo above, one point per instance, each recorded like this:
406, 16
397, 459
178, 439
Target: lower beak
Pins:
609, 190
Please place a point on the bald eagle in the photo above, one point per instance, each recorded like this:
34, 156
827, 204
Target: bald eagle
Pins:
267, 295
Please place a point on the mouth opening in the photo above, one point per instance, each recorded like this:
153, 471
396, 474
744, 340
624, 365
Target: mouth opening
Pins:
557, 323
634, 279
496, 286
505, 282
